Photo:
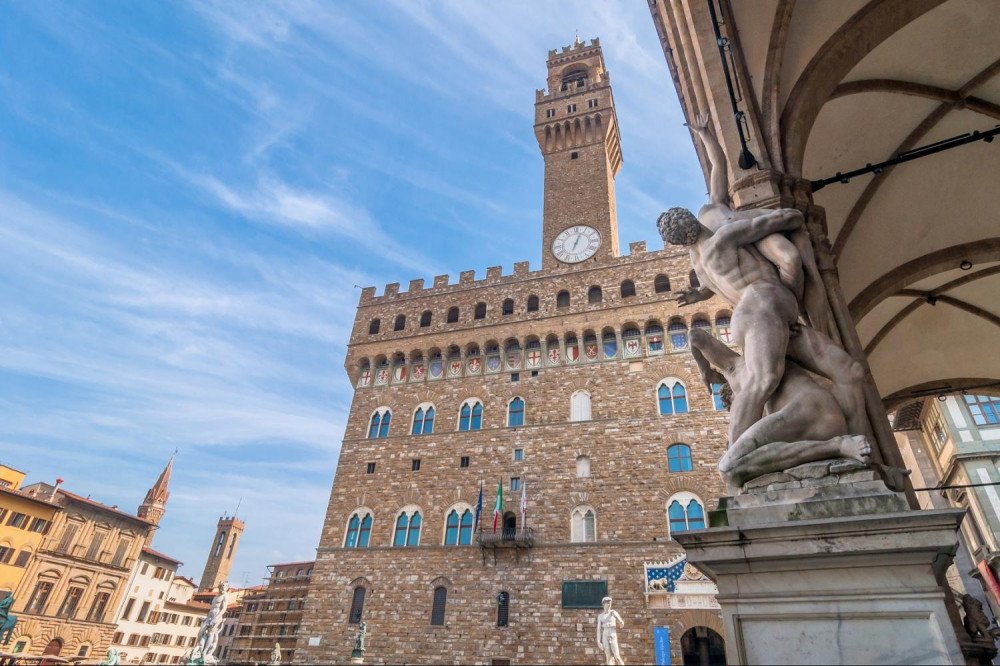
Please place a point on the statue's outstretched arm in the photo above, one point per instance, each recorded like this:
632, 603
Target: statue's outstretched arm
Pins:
718, 180
744, 232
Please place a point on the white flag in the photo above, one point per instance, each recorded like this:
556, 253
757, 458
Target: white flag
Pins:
524, 504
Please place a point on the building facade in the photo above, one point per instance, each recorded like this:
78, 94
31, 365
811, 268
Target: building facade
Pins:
569, 392
143, 606
25, 519
271, 617
954, 443
67, 597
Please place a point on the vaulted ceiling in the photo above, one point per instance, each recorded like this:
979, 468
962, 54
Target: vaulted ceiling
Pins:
833, 86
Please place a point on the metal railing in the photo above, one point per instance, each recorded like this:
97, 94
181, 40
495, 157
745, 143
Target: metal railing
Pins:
510, 536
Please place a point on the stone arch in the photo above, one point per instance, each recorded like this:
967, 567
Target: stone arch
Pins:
678, 484
689, 619
442, 581
980, 385
360, 581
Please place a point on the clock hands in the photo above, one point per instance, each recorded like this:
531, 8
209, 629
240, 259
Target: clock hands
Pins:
577, 241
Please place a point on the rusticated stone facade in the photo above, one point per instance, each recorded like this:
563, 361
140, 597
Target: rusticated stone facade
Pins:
567, 384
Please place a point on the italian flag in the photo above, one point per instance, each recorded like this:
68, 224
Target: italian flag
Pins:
498, 507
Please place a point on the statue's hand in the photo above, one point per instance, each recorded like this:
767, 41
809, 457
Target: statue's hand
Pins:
700, 123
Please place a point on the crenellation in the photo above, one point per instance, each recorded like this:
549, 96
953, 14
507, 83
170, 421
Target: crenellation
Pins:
521, 269
391, 290
367, 294
494, 273
415, 285
638, 247
441, 281
467, 277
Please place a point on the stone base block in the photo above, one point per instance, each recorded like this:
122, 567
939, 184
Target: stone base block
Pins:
830, 573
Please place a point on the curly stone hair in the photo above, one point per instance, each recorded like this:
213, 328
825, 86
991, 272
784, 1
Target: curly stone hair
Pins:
726, 395
679, 226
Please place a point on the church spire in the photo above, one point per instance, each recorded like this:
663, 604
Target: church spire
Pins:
154, 505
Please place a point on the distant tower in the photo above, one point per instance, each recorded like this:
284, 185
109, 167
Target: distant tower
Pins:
155, 503
220, 558
577, 131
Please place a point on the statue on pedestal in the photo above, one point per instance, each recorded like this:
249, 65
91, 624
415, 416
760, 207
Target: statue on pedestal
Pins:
276, 654
358, 653
761, 262
608, 623
7, 620
208, 634
112, 658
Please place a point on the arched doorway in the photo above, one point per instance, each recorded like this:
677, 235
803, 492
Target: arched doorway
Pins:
700, 646
53, 649
509, 526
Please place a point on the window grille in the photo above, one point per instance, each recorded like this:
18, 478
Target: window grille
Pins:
503, 609
661, 284
425, 319
508, 307
400, 323
452, 315
628, 289
357, 605
374, 326
532, 303
562, 299
595, 295
480, 311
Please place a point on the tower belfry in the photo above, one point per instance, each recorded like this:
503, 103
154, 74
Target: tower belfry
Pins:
577, 132
154, 504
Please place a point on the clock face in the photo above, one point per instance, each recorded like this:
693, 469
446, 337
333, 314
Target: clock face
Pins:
576, 244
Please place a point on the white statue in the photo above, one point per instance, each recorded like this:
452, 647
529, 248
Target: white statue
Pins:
208, 634
607, 632
276, 654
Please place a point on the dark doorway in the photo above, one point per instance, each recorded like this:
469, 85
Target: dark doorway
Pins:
700, 646
509, 526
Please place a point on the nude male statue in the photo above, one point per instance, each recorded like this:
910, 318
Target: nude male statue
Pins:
791, 252
804, 422
607, 632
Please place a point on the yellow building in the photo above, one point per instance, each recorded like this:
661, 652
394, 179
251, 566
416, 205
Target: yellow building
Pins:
24, 521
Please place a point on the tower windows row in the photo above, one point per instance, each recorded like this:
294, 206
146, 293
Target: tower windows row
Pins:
534, 353
671, 398
595, 294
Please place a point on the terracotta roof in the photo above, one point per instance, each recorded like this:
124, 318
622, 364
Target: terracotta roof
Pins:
29, 496
186, 580
288, 564
156, 553
104, 507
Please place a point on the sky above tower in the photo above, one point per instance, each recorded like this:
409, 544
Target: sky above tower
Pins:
190, 193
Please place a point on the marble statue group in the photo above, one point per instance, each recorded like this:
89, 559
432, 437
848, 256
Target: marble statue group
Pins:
761, 261
208, 634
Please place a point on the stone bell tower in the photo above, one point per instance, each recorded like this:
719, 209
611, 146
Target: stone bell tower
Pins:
220, 558
577, 131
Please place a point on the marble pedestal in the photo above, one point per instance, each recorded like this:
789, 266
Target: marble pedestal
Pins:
833, 568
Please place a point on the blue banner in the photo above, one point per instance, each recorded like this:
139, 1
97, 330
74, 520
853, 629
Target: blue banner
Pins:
661, 645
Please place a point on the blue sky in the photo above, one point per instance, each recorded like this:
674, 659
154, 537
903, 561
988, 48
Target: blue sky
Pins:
190, 191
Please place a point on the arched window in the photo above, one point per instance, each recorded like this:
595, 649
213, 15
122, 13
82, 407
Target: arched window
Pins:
580, 406
423, 420
532, 303
582, 467
717, 397
722, 329
701, 645
221, 544
671, 397
576, 78
679, 458
503, 609
437, 608
678, 334
701, 322
452, 315
359, 530
470, 416
374, 326
654, 339
357, 605
480, 311
595, 295
661, 284
515, 413
425, 319
562, 299
400, 323
693, 279
458, 528
628, 289
583, 525
407, 529
378, 427
508, 307
685, 512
